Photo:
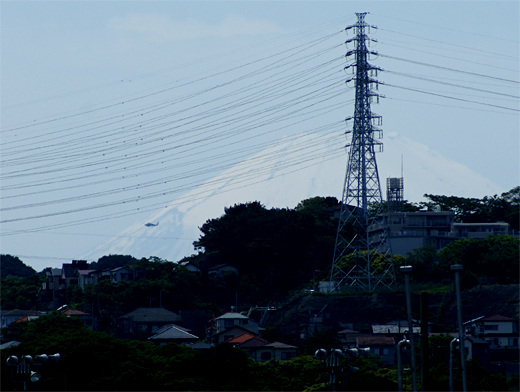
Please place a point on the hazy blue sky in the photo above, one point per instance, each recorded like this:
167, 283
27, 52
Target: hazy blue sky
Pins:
111, 109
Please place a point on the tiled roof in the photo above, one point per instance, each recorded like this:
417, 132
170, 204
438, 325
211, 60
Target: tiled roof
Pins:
73, 312
173, 332
254, 342
148, 315
240, 338
234, 328
497, 317
375, 341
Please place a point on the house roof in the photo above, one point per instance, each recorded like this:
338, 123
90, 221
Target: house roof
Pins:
280, 345
375, 341
497, 317
53, 272
235, 327
68, 269
148, 315
220, 266
253, 342
12, 343
346, 331
21, 313
73, 312
241, 338
173, 332
85, 272
199, 345
232, 315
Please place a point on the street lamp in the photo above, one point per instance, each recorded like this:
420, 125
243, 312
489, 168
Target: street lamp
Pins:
27, 368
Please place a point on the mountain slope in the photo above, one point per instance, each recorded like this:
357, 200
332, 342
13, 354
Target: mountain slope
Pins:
268, 178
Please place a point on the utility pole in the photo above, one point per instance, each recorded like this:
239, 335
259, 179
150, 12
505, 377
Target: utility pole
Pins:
361, 189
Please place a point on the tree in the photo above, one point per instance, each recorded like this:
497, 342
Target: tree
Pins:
505, 207
20, 293
13, 266
276, 249
494, 256
113, 261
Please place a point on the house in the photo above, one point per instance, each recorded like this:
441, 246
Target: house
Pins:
243, 337
9, 316
68, 272
277, 351
229, 334
190, 266
53, 289
261, 350
57, 281
477, 349
85, 317
500, 331
348, 336
148, 320
85, 277
382, 346
397, 328
229, 320
171, 333
120, 274
220, 270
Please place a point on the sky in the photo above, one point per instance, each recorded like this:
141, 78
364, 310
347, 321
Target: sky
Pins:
111, 109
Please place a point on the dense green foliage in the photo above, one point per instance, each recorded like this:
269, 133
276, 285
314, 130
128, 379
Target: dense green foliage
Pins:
113, 261
505, 207
20, 293
13, 266
276, 250
97, 361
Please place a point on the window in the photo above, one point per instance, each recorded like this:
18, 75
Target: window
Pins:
385, 351
376, 350
491, 327
265, 356
243, 322
228, 323
513, 342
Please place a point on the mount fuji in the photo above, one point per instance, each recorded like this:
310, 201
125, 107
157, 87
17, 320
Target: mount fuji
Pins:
170, 232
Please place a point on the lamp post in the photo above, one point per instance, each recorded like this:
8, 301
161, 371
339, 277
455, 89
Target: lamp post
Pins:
26, 368
456, 268
406, 270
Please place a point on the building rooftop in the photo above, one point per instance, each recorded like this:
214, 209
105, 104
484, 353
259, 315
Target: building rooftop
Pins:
497, 317
375, 341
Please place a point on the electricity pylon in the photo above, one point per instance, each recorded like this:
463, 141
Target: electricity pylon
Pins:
360, 231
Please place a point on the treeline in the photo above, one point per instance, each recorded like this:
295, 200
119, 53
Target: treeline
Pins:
277, 251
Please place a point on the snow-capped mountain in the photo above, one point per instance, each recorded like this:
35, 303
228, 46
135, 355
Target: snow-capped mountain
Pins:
170, 232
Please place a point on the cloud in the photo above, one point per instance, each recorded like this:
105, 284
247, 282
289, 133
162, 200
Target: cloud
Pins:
161, 28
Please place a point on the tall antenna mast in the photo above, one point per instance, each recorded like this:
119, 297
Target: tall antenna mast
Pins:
362, 201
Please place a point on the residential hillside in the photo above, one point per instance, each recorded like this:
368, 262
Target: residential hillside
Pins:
359, 312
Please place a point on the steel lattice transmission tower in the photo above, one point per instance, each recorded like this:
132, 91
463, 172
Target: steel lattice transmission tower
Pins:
361, 208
